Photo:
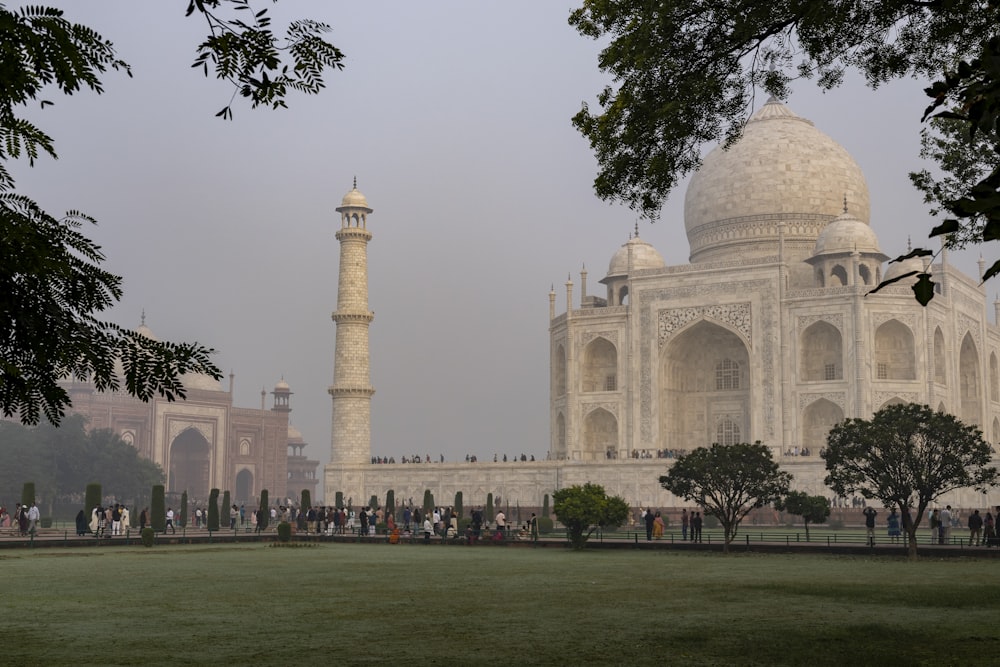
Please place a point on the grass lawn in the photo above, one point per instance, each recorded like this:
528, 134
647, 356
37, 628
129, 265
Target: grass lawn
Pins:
354, 604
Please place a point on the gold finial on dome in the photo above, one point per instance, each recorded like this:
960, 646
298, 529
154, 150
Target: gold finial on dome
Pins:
637, 229
845, 202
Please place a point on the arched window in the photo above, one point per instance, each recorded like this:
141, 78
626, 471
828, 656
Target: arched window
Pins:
865, 273
822, 353
940, 367
840, 274
894, 352
994, 378
560, 371
727, 375
600, 366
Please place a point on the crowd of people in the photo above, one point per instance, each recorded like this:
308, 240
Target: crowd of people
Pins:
24, 520
942, 523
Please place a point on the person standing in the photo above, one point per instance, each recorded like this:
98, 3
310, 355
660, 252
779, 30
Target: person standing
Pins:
501, 520
533, 527
143, 518
658, 526
33, 516
428, 529
648, 518
975, 529
116, 520
685, 522
870, 515
126, 519
696, 523
944, 532
170, 521
935, 522
892, 525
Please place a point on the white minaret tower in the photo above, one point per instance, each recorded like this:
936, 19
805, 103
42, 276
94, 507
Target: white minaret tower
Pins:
351, 389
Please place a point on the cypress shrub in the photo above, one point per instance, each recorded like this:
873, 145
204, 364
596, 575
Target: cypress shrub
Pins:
459, 510
306, 500
489, 507
92, 499
224, 509
373, 502
390, 505
28, 494
213, 510
338, 499
428, 502
266, 514
148, 535
183, 520
284, 531
303, 517
158, 509
545, 523
545, 506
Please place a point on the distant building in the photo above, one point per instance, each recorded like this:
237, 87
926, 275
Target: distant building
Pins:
204, 441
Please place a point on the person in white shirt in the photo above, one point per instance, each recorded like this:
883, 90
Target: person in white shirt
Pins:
170, 521
501, 522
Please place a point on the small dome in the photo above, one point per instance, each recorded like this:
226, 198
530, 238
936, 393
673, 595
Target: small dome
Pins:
354, 198
644, 256
896, 269
294, 433
146, 332
845, 234
200, 381
282, 386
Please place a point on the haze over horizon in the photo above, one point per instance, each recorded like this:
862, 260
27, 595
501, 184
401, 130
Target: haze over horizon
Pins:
455, 119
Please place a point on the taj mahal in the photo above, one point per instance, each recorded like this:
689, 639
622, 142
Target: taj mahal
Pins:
770, 333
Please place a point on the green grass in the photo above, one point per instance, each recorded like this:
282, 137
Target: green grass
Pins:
361, 604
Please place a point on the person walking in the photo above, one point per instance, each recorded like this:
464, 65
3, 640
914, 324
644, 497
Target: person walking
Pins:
170, 521
685, 522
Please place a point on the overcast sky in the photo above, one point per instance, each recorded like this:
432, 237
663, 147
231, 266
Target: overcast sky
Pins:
455, 118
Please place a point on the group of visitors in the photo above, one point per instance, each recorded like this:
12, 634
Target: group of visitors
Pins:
25, 519
982, 530
691, 525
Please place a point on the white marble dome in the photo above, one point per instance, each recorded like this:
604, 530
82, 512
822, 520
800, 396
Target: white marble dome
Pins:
200, 381
783, 172
354, 198
896, 269
644, 256
845, 234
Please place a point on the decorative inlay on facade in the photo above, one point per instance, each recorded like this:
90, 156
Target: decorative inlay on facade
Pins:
878, 319
968, 324
836, 319
588, 336
756, 228
587, 408
178, 425
880, 397
838, 398
736, 315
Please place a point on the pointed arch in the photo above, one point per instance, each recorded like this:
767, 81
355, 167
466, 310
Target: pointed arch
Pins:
941, 407
727, 430
560, 452
994, 378
996, 430
865, 274
817, 419
839, 276
895, 356
600, 366
895, 400
244, 487
969, 381
560, 371
822, 353
940, 365
600, 435
704, 377
190, 459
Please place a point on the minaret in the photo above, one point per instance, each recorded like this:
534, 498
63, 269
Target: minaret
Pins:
351, 389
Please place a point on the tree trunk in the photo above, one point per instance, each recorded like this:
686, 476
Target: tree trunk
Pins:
911, 550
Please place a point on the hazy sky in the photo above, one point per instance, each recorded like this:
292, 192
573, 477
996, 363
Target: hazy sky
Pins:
455, 118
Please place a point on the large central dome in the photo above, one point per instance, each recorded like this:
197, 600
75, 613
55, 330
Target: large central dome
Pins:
781, 171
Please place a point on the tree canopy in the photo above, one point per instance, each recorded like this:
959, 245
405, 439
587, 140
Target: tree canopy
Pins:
584, 509
907, 456
727, 481
63, 461
52, 286
812, 509
686, 72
